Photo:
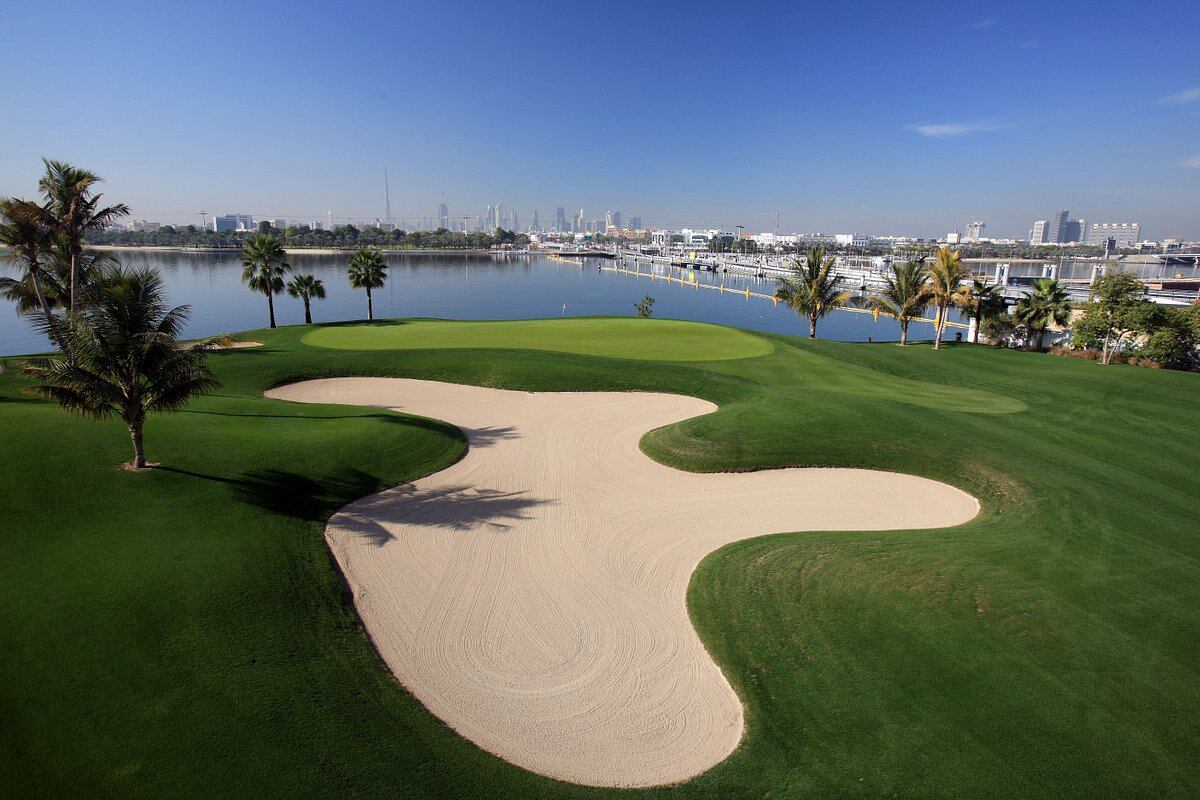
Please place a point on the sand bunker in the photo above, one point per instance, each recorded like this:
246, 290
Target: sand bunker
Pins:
532, 595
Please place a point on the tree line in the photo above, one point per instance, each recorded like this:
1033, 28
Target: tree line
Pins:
1119, 321
340, 237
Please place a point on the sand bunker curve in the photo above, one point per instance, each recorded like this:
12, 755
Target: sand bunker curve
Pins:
533, 595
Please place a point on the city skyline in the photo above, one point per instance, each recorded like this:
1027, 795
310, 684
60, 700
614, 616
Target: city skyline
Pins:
890, 142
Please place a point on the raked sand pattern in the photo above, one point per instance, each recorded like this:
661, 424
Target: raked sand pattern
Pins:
533, 595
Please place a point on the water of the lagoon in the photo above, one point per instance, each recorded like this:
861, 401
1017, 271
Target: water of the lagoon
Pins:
475, 286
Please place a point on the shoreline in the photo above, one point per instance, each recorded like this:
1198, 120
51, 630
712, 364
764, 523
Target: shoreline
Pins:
317, 251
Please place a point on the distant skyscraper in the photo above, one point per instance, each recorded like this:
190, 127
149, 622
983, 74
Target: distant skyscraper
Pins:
536, 226
580, 225
516, 221
387, 200
635, 223
1038, 234
443, 216
1076, 231
975, 230
560, 219
499, 221
612, 220
1056, 231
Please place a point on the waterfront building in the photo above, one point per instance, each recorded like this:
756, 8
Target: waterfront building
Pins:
232, 222
1121, 234
278, 223
953, 238
1076, 231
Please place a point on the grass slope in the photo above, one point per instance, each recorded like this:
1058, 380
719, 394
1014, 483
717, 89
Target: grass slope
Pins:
642, 340
182, 633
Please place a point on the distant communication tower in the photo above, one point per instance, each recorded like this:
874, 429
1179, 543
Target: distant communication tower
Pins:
387, 200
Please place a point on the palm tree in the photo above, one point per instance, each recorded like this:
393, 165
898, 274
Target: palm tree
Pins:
811, 291
367, 271
1047, 304
945, 276
307, 288
905, 294
263, 268
980, 300
24, 232
121, 357
75, 211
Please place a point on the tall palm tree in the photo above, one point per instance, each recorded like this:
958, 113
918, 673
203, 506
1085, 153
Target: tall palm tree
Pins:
75, 211
980, 300
905, 294
263, 268
1047, 304
945, 275
368, 271
811, 290
24, 232
307, 288
121, 356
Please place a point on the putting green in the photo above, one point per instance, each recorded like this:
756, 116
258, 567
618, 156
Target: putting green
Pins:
639, 339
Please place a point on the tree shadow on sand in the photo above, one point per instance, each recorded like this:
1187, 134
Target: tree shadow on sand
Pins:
452, 507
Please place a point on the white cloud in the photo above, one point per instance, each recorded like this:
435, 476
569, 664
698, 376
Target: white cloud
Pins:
1193, 162
983, 23
943, 130
1181, 98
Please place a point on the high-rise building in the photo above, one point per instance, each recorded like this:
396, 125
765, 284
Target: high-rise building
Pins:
560, 219
612, 220
580, 226
443, 216
1057, 229
975, 230
489, 219
1076, 231
1122, 234
516, 222
536, 226
1038, 234
635, 223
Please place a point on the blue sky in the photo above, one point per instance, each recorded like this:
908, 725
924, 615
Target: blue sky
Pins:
872, 117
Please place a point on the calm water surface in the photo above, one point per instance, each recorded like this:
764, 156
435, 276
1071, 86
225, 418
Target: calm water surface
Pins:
462, 287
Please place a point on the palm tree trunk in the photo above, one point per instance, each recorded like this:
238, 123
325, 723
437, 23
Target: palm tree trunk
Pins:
271, 308
139, 452
812, 326
978, 321
937, 328
74, 281
903, 332
307, 313
1041, 334
370, 308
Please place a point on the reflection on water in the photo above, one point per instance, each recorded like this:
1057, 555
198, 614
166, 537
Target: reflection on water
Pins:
462, 287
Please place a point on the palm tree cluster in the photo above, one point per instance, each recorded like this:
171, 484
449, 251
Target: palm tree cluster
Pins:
909, 289
45, 242
118, 351
264, 270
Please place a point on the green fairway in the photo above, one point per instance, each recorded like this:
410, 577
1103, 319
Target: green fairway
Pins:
639, 339
182, 632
